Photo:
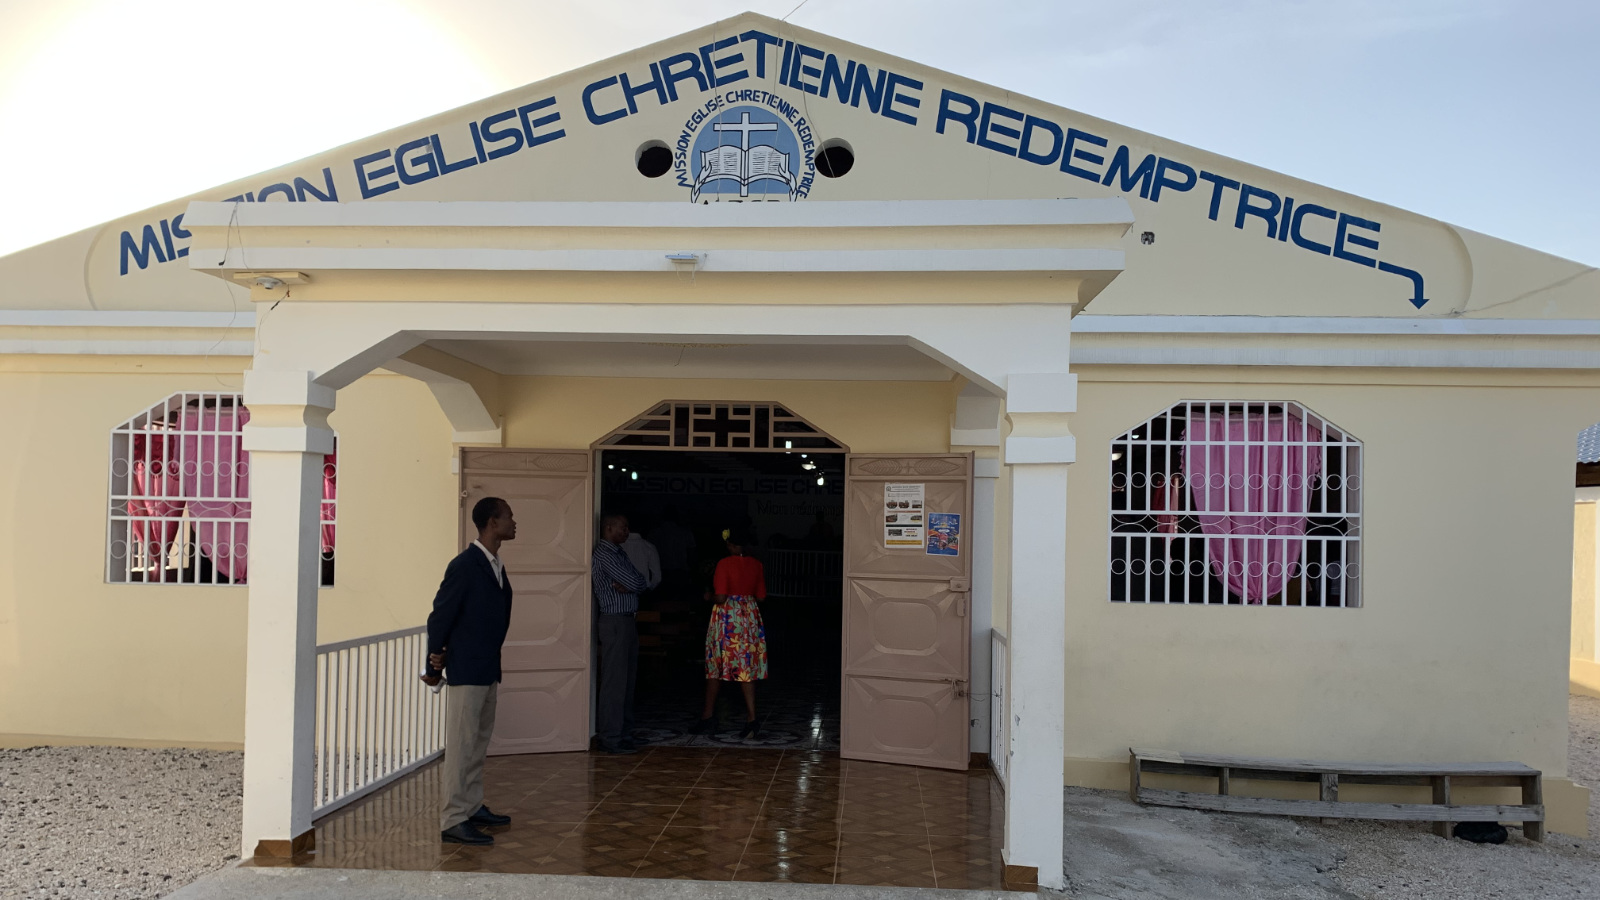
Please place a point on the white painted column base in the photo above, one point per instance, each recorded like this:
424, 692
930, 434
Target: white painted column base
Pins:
1039, 449
287, 438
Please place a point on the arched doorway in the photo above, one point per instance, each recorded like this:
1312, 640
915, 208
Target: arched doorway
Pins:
883, 535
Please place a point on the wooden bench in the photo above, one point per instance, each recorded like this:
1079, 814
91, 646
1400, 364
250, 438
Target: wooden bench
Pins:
1442, 777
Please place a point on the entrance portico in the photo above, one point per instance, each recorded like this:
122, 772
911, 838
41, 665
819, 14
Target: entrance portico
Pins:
986, 289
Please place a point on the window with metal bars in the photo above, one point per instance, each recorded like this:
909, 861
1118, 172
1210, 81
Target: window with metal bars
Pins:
180, 495
1236, 502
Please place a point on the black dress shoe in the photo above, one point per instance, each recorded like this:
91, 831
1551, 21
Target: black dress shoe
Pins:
464, 833
484, 817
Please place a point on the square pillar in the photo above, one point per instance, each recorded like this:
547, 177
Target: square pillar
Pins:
975, 426
287, 437
1038, 450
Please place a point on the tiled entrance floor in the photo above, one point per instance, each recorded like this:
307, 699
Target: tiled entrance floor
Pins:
711, 814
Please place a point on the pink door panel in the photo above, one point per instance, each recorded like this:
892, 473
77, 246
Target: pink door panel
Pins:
544, 689
921, 723
905, 629
906, 646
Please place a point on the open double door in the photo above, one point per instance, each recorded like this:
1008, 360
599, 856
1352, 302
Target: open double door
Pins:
906, 637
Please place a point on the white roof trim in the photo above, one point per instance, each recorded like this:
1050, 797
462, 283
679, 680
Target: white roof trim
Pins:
90, 318
1089, 323
532, 214
127, 348
485, 259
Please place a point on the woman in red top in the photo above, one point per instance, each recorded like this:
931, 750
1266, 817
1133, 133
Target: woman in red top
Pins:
736, 641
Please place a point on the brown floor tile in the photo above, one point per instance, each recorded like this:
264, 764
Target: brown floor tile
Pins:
631, 815
969, 876
800, 870
950, 822
798, 819
647, 795
557, 811
882, 845
975, 848
871, 817
687, 868
738, 819
786, 843
893, 873
612, 837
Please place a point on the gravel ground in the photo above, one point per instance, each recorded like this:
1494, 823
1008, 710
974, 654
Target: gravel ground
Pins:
1404, 860
113, 823
104, 822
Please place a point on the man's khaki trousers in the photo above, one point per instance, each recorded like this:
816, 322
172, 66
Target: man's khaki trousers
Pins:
469, 720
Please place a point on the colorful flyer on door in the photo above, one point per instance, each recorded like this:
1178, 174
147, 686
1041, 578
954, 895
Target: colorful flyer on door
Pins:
944, 534
903, 524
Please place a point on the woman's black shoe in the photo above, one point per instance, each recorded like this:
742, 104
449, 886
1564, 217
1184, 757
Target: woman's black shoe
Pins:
704, 726
749, 730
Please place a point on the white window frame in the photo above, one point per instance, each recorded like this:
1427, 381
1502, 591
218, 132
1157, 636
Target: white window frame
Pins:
179, 561
1156, 530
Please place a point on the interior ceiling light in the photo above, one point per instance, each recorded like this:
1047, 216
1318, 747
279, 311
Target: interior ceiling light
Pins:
636, 476
808, 466
822, 479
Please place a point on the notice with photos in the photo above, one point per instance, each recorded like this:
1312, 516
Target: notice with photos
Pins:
903, 525
944, 534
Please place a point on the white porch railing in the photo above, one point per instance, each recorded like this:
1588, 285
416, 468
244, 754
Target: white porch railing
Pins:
376, 720
803, 573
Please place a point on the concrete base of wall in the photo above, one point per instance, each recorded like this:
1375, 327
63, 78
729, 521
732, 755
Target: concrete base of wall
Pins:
24, 741
1566, 805
1584, 677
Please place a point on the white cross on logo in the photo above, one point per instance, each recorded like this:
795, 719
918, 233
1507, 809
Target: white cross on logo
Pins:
744, 126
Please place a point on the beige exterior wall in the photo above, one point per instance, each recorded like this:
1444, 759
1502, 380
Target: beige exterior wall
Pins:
1450, 595
164, 664
1584, 674
84, 660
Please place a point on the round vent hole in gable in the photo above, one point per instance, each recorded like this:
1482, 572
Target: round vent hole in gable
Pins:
835, 158
652, 159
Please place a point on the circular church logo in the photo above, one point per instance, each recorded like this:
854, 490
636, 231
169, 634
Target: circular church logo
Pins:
745, 152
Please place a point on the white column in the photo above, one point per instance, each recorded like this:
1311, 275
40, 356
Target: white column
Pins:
1038, 450
975, 426
287, 437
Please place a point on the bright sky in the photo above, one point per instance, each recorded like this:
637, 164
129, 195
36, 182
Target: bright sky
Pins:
1485, 113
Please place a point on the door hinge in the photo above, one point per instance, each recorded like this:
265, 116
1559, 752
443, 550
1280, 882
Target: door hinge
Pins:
961, 605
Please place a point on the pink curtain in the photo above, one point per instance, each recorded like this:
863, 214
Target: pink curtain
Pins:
156, 499
330, 493
211, 479
1250, 475
216, 479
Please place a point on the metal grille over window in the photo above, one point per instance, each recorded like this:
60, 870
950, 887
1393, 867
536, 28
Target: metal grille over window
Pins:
686, 425
180, 495
1236, 502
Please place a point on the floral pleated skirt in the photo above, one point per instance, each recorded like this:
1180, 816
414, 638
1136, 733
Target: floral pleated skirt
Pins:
736, 641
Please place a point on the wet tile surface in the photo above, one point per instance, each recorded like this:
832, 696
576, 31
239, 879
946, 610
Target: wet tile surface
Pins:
715, 814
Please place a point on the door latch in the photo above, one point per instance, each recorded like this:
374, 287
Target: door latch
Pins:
958, 685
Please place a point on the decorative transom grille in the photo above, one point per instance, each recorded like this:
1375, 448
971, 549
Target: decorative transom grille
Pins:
691, 425
180, 495
1242, 502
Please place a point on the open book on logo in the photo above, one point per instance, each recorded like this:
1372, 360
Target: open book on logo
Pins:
744, 167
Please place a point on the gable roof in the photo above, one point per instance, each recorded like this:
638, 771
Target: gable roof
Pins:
1213, 235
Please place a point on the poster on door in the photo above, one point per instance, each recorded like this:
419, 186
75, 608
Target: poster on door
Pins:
944, 534
903, 524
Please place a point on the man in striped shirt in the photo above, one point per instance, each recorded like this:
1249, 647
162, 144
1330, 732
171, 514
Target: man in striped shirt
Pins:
616, 592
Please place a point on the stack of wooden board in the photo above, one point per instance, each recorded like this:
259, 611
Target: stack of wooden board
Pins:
1442, 777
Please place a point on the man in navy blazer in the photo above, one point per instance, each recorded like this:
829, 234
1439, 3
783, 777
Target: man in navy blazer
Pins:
471, 614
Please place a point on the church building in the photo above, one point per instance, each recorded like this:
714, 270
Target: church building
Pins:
1061, 438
